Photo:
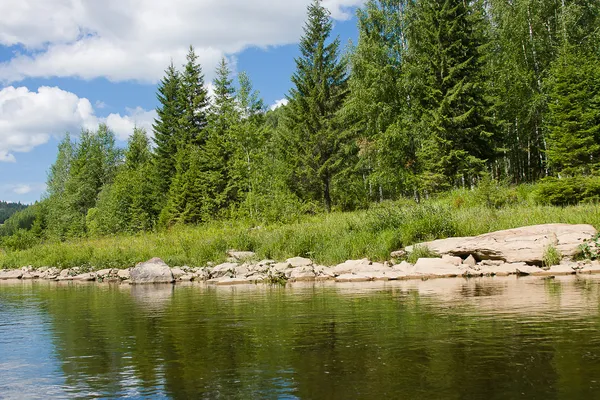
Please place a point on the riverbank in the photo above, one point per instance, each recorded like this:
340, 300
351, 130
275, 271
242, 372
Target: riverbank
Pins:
328, 239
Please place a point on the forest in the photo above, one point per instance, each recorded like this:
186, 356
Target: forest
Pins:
435, 96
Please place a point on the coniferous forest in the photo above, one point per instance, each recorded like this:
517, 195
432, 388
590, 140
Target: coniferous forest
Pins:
435, 95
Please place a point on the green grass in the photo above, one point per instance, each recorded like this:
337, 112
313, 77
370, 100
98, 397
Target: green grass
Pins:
326, 238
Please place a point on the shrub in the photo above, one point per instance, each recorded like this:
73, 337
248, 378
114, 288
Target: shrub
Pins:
552, 256
567, 191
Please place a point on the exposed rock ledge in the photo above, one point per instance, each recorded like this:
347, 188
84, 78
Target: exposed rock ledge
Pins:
511, 252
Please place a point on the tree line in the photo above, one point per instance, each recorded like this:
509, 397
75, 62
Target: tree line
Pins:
435, 94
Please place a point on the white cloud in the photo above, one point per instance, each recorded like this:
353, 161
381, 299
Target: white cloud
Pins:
136, 39
22, 189
28, 119
278, 103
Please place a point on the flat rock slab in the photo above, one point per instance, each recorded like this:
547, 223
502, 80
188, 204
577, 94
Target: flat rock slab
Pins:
526, 244
436, 267
353, 278
16, 274
152, 271
230, 281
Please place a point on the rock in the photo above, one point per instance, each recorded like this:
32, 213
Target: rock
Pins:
280, 267
403, 267
323, 273
525, 244
263, 263
503, 269
353, 278
28, 276
524, 269
436, 267
89, 276
230, 281
186, 277
124, 274
223, 269
152, 271
299, 262
257, 277
242, 270
104, 273
556, 270
398, 254
241, 255
395, 275
13, 274
177, 273
64, 273
302, 274
351, 266
452, 260
593, 268
470, 261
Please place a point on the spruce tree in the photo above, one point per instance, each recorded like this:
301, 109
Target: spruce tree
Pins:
193, 103
446, 55
312, 139
573, 118
166, 127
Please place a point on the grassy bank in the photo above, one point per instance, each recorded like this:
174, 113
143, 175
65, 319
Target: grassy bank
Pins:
326, 238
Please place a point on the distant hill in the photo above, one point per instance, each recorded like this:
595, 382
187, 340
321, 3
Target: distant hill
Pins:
8, 209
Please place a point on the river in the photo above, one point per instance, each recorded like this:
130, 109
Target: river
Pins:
485, 338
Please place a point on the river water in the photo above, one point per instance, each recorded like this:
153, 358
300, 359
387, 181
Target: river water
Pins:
488, 338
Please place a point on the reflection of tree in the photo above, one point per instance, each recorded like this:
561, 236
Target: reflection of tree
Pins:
321, 342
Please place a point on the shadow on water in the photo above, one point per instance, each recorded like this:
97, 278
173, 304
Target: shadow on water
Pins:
452, 338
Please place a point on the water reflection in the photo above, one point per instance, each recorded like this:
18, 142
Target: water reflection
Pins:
448, 338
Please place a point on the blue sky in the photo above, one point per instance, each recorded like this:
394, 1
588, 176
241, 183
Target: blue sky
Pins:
71, 64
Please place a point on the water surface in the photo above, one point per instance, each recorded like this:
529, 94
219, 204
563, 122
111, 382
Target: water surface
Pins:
487, 338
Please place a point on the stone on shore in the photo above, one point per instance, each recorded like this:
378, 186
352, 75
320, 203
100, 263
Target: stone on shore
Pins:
299, 262
526, 244
177, 273
151, 271
351, 266
124, 274
300, 274
13, 274
353, 278
87, 277
225, 269
436, 267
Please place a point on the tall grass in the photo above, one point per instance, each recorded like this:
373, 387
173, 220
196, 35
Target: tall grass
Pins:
326, 238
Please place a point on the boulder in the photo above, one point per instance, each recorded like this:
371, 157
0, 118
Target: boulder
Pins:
223, 269
470, 261
177, 273
299, 262
152, 271
525, 244
398, 254
302, 274
14, 274
124, 274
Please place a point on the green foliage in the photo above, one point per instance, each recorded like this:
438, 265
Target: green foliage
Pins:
590, 249
420, 252
568, 191
552, 256
574, 113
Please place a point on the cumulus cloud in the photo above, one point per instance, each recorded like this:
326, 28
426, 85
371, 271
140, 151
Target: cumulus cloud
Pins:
278, 103
136, 39
28, 119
